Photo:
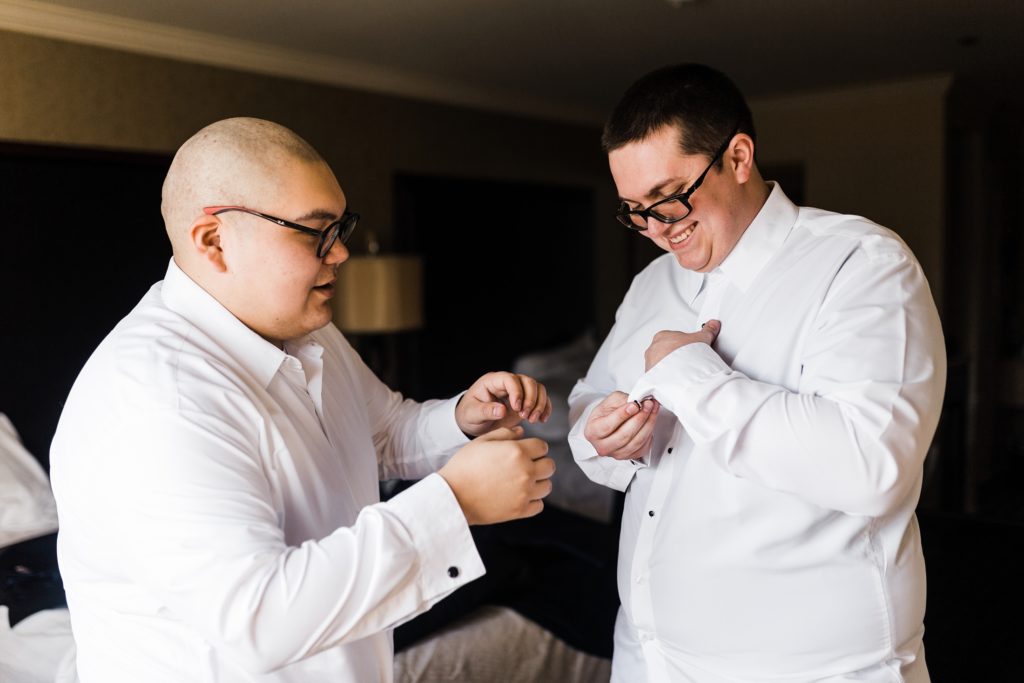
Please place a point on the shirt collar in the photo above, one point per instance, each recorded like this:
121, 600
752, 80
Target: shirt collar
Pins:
251, 352
761, 239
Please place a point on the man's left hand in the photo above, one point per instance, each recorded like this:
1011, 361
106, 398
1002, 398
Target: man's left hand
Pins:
667, 341
502, 399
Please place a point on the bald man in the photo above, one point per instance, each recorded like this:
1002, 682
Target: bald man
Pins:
217, 461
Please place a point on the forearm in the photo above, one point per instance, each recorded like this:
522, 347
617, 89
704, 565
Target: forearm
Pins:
414, 439
858, 450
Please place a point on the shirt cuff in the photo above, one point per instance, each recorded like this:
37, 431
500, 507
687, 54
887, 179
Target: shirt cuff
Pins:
685, 367
443, 431
435, 521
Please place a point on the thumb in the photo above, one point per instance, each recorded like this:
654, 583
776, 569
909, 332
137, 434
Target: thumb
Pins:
486, 411
711, 328
501, 434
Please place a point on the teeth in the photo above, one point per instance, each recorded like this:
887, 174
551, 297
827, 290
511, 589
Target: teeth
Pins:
682, 236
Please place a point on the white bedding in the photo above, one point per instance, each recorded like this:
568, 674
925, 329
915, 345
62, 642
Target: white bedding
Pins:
39, 649
27, 509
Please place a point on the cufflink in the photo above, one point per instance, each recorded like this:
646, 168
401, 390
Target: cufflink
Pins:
453, 572
640, 401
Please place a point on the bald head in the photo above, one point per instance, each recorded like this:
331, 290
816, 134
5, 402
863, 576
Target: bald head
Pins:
231, 162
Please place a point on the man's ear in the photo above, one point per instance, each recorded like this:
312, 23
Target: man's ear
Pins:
740, 157
205, 238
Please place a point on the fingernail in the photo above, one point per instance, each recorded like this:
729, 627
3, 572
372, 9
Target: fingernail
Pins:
496, 411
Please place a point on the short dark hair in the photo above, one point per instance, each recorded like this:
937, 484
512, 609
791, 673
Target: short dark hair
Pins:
702, 103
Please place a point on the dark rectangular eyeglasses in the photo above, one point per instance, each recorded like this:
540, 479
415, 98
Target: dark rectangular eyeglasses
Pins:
670, 209
340, 229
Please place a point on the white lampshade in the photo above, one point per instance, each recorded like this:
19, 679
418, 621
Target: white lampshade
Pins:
376, 294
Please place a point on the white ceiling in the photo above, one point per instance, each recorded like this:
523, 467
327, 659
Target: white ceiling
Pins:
564, 58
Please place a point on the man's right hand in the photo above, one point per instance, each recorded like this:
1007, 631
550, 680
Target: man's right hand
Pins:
499, 476
621, 429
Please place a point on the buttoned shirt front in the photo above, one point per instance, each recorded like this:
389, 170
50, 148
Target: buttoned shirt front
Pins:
219, 509
769, 534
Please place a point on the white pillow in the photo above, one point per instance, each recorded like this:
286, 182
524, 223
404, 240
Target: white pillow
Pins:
27, 508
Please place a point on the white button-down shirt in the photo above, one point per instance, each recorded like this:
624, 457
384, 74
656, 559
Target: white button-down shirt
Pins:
770, 532
219, 508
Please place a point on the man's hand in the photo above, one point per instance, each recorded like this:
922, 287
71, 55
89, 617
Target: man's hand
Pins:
501, 399
667, 341
620, 428
498, 476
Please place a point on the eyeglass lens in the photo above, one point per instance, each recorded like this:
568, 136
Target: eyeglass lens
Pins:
339, 230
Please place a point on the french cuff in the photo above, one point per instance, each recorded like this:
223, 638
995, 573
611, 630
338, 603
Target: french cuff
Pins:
684, 368
615, 474
447, 554
442, 431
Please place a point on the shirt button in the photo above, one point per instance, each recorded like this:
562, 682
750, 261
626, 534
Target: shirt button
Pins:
453, 572
669, 450
650, 513
641, 579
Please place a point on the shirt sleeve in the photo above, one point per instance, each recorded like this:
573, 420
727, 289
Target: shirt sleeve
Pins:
854, 437
411, 439
202, 536
585, 395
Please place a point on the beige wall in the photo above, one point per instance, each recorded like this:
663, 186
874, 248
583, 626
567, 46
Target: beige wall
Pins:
878, 151
64, 93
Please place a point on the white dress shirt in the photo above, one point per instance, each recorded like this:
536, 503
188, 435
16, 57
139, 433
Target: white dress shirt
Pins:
219, 509
770, 532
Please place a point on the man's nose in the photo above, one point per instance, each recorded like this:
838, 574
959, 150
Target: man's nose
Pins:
338, 253
656, 228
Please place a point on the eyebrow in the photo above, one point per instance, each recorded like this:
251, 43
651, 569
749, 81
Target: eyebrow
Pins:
317, 214
657, 192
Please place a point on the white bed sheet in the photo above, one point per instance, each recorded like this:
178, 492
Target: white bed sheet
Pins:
39, 649
497, 645
27, 508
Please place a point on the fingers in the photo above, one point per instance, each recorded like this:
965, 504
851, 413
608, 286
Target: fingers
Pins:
533, 448
524, 395
640, 440
540, 489
543, 468
613, 413
534, 404
632, 429
534, 508
542, 406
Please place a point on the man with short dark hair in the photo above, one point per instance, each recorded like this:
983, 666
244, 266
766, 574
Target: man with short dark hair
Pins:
766, 399
216, 464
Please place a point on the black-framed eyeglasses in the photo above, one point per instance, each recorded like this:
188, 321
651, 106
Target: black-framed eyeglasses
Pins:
340, 229
671, 209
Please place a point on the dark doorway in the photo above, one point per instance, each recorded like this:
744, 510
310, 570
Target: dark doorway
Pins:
83, 240
507, 270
